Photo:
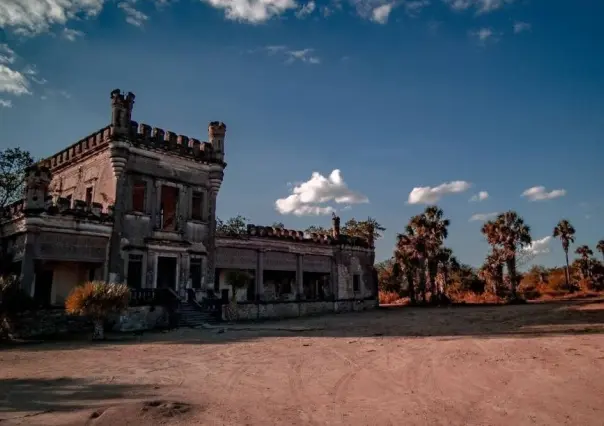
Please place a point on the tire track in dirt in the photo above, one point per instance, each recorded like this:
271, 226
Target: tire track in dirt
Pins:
296, 388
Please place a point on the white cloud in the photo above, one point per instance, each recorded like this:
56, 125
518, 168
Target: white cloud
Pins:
7, 55
133, 16
70, 34
380, 14
306, 10
481, 6
253, 11
430, 195
13, 82
484, 35
6, 103
414, 7
538, 246
302, 55
481, 196
539, 193
520, 27
31, 17
311, 197
483, 217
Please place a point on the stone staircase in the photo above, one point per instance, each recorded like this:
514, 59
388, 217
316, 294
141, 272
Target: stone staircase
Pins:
191, 315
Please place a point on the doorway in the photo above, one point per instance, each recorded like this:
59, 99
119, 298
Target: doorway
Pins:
43, 287
166, 272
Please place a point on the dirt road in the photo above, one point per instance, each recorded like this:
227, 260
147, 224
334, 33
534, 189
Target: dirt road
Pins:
512, 365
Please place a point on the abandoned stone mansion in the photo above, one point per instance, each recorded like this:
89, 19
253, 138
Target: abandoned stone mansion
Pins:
135, 204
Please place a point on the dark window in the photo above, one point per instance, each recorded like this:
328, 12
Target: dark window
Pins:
356, 283
91, 274
69, 197
135, 270
138, 196
169, 203
197, 206
89, 196
195, 271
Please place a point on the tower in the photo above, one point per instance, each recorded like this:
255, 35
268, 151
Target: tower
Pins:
216, 133
335, 226
37, 180
121, 112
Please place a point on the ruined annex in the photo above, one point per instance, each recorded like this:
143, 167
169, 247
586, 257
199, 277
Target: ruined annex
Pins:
137, 204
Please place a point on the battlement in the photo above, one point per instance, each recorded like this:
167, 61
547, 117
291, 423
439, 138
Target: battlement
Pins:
155, 138
307, 237
82, 148
62, 207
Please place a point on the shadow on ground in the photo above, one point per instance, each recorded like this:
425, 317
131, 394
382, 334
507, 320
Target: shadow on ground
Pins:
529, 320
59, 395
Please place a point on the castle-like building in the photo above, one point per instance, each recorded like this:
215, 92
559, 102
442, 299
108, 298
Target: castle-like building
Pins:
135, 204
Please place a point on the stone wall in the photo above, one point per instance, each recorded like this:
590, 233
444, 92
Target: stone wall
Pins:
42, 323
253, 311
140, 318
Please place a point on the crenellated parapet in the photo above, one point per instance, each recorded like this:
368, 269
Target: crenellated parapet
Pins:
306, 237
79, 150
60, 207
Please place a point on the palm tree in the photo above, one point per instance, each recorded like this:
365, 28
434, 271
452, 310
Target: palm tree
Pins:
405, 263
600, 247
508, 233
492, 270
566, 232
97, 300
585, 252
410, 254
447, 264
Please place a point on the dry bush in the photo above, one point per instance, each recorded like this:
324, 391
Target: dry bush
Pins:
474, 298
388, 297
97, 299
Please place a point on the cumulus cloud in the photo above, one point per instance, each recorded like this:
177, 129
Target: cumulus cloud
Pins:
520, 27
6, 103
7, 55
13, 82
133, 16
306, 10
31, 17
431, 195
481, 196
253, 11
481, 6
71, 35
380, 14
312, 197
539, 193
483, 217
538, 246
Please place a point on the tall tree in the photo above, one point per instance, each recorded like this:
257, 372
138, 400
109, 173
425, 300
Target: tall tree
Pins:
447, 263
566, 232
13, 162
369, 229
232, 227
585, 252
509, 233
600, 247
410, 254
278, 225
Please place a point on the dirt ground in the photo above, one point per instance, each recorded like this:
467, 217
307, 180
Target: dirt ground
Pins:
537, 364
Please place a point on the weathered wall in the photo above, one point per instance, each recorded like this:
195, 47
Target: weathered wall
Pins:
42, 323
140, 318
95, 172
349, 262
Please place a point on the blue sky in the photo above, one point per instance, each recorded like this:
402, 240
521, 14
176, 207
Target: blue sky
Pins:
412, 101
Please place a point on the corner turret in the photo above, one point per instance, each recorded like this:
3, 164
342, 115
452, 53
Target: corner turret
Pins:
335, 229
121, 112
37, 181
216, 134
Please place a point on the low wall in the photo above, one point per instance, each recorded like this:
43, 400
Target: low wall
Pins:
44, 322
267, 310
140, 318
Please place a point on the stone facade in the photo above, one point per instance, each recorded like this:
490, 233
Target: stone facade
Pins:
137, 204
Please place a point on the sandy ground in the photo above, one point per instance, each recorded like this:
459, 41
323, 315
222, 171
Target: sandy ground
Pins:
538, 364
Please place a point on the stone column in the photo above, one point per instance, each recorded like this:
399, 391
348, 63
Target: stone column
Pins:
212, 236
150, 274
259, 275
300, 277
28, 270
156, 215
119, 158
